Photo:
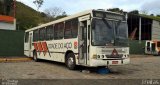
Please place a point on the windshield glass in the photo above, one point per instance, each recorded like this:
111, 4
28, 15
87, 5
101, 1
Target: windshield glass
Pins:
108, 32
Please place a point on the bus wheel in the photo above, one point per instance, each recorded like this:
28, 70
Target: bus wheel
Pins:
35, 56
70, 62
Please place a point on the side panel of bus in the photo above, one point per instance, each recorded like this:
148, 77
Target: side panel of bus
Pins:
28, 44
56, 49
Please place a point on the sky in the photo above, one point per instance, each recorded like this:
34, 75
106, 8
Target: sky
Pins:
74, 6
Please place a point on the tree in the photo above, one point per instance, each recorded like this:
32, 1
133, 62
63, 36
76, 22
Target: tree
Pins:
134, 12
151, 14
1, 7
54, 13
38, 3
27, 17
115, 10
145, 12
158, 15
6, 6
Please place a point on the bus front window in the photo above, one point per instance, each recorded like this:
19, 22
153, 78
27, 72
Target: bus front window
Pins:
108, 32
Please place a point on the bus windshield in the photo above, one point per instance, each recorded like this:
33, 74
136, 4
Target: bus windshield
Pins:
109, 32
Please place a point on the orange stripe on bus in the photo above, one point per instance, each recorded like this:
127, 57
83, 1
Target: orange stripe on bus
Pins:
35, 46
40, 47
45, 49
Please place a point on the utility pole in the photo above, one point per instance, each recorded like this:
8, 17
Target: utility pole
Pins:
14, 8
14, 13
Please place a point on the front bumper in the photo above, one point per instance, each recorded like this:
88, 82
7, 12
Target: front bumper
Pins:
106, 62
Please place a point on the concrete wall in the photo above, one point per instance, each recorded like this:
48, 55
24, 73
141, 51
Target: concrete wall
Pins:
11, 43
156, 30
7, 26
136, 46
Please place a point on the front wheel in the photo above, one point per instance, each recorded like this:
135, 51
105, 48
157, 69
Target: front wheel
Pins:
71, 62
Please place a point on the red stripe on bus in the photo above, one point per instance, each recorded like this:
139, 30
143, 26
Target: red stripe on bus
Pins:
45, 49
35, 46
40, 47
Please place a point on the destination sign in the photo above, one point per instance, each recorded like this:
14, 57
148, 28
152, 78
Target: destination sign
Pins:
108, 15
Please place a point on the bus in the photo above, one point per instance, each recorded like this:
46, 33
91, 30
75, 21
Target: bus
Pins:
152, 47
93, 38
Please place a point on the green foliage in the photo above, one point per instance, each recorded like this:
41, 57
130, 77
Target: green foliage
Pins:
158, 15
27, 17
6, 6
115, 10
1, 8
150, 17
134, 12
38, 3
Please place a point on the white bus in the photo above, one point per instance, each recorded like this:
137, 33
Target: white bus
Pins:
91, 38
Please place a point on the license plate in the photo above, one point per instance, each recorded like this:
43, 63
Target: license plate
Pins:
114, 62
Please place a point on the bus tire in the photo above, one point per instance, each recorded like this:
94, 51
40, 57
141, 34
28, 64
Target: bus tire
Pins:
70, 61
35, 56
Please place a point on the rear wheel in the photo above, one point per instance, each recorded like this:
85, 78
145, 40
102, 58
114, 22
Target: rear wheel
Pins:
35, 56
70, 61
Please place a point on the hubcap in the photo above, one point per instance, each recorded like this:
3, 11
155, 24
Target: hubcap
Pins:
70, 61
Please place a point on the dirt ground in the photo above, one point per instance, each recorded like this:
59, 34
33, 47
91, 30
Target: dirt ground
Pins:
141, 67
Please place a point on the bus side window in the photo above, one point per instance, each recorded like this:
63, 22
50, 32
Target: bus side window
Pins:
35, 35
42, 34
71, 29
67, 30
74, 28
58, 31
88, 31
26, 37
49, 32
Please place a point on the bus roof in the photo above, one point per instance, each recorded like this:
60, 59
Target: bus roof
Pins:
67, 18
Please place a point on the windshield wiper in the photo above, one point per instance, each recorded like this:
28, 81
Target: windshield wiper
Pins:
106, 23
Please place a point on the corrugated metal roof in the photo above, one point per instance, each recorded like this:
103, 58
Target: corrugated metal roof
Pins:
146, 16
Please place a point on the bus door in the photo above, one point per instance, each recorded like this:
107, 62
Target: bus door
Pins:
153, 47
83, 40
148, 47
30, 44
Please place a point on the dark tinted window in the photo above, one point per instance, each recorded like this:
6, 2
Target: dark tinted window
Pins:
58, 30
158, 44
42, 34
148, 44
68, 30
26, 36
71, 29
49, 32
35, 35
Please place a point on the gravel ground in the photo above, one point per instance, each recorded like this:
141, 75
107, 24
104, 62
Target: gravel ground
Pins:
142, 67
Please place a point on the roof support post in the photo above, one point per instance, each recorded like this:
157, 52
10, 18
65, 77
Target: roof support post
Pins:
140, 28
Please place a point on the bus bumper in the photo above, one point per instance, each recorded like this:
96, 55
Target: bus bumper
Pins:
96, 63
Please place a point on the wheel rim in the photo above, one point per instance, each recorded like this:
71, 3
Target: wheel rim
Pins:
70, 62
